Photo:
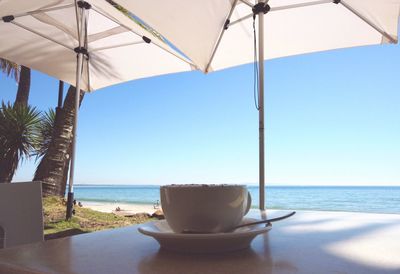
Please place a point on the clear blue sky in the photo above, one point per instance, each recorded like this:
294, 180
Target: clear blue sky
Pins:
332, 118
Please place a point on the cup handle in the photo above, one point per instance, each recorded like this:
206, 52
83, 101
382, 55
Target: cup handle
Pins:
248, 203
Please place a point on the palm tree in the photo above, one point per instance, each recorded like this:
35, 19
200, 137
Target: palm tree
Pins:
17, 122
18, 137
54, 145
53, 167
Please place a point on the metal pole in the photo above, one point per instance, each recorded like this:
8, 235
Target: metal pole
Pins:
70, 197
261, 107
79, 64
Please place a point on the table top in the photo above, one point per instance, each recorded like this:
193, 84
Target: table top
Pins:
309, 242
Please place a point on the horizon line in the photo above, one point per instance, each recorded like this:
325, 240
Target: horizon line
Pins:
271, 185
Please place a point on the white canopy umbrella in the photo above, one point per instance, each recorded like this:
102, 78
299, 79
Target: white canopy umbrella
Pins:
217, 34
89, 44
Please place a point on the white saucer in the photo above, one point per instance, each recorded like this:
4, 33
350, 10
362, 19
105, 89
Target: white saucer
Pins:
203, 243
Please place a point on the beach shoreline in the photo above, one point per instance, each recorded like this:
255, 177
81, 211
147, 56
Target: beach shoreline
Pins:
137, 208
124, 208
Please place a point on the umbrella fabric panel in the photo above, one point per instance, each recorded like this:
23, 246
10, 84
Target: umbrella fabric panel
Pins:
45, 41
139, 61
382, 13
16, 7
291, 27
24, 48
192, 26
294, 31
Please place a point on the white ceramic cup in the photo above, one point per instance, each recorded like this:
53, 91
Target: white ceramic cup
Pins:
204, 208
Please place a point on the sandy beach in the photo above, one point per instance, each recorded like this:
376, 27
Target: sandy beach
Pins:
125, 208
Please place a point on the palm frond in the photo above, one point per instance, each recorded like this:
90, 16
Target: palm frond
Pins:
45, 133
18, 130
10, 68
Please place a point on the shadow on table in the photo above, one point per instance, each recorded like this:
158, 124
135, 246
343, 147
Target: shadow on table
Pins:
250, 263
65, 233
325, 242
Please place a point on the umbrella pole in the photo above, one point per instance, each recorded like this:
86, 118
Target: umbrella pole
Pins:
79, 64
261, 107
70, 197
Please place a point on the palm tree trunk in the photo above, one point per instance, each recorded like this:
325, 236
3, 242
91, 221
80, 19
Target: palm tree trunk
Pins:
53, 167
8, 166
24, 85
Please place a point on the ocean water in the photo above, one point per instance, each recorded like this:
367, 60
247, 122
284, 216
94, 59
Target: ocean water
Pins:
324, 198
